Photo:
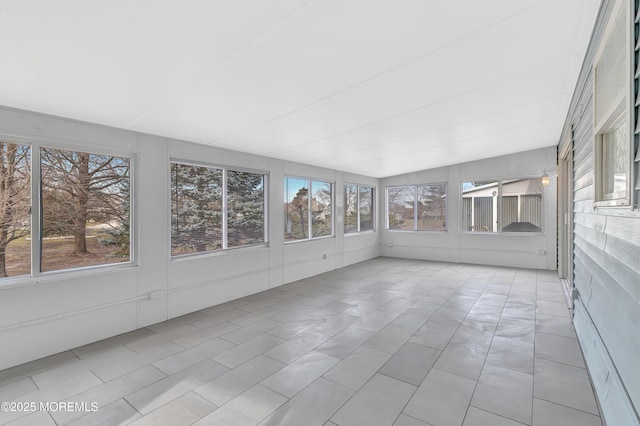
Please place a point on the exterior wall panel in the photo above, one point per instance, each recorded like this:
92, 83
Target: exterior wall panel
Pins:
606, 265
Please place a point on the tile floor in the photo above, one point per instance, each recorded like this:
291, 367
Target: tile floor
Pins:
384, 342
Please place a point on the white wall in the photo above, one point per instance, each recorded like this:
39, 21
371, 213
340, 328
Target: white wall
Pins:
517, 250
60, 311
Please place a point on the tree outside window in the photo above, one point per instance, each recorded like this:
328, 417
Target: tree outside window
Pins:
15, 209
214, 208
308, 208
358, 208
85, 209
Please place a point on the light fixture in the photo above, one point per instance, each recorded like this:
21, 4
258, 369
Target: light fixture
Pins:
545, 178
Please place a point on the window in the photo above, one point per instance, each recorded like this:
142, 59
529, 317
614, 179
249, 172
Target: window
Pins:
611, 116
196, 209
351, 209
400, 208
432, 208
358, 208
214, 208
417, 207
613, 159
502, 206
365, 202
245, 208
81, 218
85, 209
307, 216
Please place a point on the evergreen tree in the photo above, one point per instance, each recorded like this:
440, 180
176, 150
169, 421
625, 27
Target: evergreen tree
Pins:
196, 208
245, 205
300, 206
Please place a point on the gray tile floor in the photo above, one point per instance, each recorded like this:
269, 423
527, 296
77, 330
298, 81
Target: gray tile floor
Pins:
384, 342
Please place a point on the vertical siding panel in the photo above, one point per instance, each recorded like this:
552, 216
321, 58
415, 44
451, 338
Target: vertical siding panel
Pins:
483, 213
466, 215
531, 209
509, 209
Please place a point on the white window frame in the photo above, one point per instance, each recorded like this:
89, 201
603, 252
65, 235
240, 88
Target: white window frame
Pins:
373, 208
498, 208
224, 226
310, 236
36, 276
620, 109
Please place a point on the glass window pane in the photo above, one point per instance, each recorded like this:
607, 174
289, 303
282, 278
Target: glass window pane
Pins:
321, 209
611, 70
522, 205
479, 206
615, 161
296, 205
85, 209
245, 207
350, 209
15, 220
400, 205
432, 207
196, 209
366, 208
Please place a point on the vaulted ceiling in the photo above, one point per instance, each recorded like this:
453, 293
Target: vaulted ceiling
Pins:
375, 87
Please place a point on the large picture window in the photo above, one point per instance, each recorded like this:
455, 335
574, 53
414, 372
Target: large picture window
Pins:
358, 208
308, 208
417, 207
214, 208
502, 206
82, 215
613, 142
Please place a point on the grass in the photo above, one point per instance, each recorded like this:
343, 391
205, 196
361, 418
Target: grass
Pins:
57, 254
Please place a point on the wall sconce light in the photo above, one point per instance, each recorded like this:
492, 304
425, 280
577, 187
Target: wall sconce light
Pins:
545, 178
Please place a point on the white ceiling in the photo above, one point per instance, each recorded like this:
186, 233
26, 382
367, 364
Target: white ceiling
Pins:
375, 87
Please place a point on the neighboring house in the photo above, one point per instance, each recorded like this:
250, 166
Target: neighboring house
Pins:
520, 201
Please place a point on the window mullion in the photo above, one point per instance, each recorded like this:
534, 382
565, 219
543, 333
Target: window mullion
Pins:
499, 208
36, 210
309, 207
225, 238
358, 207
415, 208
473, 213
265, 208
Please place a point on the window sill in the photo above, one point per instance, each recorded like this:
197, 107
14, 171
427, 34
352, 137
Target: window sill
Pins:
64, 275
617, 204
251, 247
306, 240
406, 231
508, 234
355, 234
